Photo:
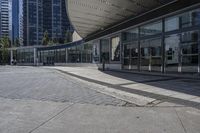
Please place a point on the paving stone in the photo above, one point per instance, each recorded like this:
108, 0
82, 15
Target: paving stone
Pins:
47, 85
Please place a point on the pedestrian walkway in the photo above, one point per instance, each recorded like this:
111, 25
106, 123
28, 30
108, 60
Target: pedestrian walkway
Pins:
43, 100
143, 90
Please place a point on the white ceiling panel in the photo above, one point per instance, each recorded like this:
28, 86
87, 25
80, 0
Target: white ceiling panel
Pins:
88, 16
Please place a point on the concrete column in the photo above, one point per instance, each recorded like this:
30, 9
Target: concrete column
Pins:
11, 57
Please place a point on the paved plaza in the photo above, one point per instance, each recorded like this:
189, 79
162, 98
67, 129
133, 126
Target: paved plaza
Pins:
86, 100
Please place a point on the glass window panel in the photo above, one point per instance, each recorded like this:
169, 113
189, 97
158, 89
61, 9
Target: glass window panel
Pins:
172, 53
189, 51
172, 24
105, 50
151, 29
190, 18
131, 54
115, 49
126, 51
130, 35
151, 55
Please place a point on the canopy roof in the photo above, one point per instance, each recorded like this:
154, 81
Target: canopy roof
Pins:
90, 16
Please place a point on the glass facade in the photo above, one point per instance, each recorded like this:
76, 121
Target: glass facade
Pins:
191, 18
131, 55
115, 49
151, 59
74, 54
189, 48
172, 53
40, 16
171, 24
105, 50
4, 18
169, 45
31, 13
130, 35
151, 29
25, 56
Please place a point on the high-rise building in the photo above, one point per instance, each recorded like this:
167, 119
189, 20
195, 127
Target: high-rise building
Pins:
4, 18
55, 19
21, 33
39, 16
14, 34
31, 22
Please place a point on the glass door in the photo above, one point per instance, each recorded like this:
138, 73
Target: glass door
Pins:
145, 55
156, 55
151, 55
131, 56
172, 53
127, 51
189, 52
134, 55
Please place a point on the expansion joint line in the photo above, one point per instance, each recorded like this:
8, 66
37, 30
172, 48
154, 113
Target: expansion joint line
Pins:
51, 118
180, 121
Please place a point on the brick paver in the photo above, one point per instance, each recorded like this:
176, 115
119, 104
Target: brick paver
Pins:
48, 85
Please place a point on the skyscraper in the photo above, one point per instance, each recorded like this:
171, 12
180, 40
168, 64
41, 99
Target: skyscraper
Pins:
56, 22
39, 16
4, 18
31, 22
14, 35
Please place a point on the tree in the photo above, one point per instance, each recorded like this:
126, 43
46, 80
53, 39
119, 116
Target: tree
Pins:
5, 43
68, 36
45, 40
50, 43
17, 43
55, 41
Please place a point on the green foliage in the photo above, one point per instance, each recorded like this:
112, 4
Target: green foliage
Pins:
55, 41
5, 42
68, 37
45, 40
17, 43
4, 45
50, 43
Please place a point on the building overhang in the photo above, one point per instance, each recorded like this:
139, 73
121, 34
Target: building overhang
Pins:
96, 18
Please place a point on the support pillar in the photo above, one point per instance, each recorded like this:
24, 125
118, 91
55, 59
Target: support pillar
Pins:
11, 57
35, 57
66, 55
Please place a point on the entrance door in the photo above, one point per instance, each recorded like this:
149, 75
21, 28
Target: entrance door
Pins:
131, 56
189, 52
172, 53
151, 55
134, 56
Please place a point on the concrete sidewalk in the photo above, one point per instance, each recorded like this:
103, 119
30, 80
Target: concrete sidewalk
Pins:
143, 90
32, 116
41, 100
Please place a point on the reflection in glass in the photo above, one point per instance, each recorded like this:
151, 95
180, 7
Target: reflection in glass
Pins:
172, 53
130, 35
131, 55
115, 49
25, 56
151, 29
104, 50
189, 51
191, 18
151, 59
172, 23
